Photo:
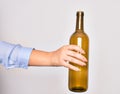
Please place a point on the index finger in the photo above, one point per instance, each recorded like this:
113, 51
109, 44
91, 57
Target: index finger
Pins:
76, 48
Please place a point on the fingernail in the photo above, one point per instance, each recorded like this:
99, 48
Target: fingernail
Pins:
85, 60
83, 64
77, 69
83, 51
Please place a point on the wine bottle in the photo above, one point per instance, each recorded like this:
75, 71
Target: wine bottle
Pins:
78, 80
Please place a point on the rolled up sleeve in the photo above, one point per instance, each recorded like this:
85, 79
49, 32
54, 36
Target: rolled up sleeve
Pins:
14, 55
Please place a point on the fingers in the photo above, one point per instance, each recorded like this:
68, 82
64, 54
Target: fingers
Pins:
76, 61
76, 48
67, 65
76, 55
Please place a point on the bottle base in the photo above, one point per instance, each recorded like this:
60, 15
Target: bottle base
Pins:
78, 89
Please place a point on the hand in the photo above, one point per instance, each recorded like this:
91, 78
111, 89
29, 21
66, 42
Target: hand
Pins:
66, 54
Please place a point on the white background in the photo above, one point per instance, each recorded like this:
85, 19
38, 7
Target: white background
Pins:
47, 25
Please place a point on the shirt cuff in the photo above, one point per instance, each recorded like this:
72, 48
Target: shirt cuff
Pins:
14, 56
23, 57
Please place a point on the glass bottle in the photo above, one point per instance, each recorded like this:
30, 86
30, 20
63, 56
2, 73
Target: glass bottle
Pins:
78, 80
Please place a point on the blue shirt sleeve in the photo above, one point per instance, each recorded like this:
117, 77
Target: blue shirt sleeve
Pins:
14, 55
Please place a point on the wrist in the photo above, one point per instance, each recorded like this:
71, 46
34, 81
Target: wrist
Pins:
53, 58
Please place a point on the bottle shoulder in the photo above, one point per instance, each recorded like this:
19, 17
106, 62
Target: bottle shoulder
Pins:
79, 34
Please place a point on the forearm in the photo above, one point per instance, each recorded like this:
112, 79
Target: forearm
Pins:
40, 58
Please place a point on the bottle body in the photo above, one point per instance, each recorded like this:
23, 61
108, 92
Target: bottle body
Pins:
78, 80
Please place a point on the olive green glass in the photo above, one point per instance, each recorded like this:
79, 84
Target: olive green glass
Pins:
78, 80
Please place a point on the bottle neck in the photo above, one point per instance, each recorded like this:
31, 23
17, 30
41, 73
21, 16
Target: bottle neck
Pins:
80, 21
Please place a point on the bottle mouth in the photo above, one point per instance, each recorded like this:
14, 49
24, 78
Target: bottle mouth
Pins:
80, 13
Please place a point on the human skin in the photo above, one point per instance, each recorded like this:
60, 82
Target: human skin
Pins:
59, 57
